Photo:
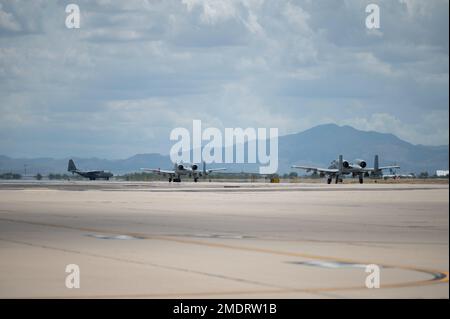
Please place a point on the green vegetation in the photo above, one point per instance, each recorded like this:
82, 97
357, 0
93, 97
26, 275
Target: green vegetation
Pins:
423, 175
10, 176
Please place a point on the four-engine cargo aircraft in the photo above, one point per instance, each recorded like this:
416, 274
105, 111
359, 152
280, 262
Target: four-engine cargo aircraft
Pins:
92, 175
342, 167
190, 170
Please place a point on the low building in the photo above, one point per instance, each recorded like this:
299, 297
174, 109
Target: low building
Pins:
442, 173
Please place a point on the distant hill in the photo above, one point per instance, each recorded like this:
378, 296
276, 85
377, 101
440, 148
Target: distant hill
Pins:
320, 144
316, 146
50, 165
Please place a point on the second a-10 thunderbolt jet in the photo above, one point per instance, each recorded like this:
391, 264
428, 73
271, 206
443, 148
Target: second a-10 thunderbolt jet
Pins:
341, 167
179, 169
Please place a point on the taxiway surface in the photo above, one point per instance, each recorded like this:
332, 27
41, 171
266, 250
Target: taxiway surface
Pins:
224, 240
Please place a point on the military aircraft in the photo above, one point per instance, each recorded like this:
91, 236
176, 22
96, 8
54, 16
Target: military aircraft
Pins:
342, 167
92, 175
395, 175
190, 170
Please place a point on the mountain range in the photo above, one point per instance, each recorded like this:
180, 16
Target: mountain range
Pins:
316, 146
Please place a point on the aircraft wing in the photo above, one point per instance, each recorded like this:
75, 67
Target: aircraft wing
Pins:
381, 168
317, 169
159, 171
93, 172
389, 167
215, 170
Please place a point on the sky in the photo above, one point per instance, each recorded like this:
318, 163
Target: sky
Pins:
137, 69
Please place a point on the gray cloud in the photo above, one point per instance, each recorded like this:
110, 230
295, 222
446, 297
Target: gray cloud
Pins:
136, 69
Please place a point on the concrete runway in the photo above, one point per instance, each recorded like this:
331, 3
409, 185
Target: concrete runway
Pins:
223, 240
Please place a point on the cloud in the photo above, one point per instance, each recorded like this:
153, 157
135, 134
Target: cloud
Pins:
7, 21
136, 69
430, 131
212, 11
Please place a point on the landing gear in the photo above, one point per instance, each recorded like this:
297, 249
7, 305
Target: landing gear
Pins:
170, 179
338, 179
195, 179
361, 179
177, 180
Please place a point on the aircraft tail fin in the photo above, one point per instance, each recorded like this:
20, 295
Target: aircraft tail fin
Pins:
376, 164
71, 167
341, 164
204, 168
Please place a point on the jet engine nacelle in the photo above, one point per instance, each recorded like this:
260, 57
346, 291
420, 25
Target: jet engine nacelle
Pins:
180, 167
361, 163
345, 164
194, 167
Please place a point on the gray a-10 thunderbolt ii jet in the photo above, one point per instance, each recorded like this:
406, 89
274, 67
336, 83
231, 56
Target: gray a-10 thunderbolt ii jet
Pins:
341, 167
180, 169
92, 175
